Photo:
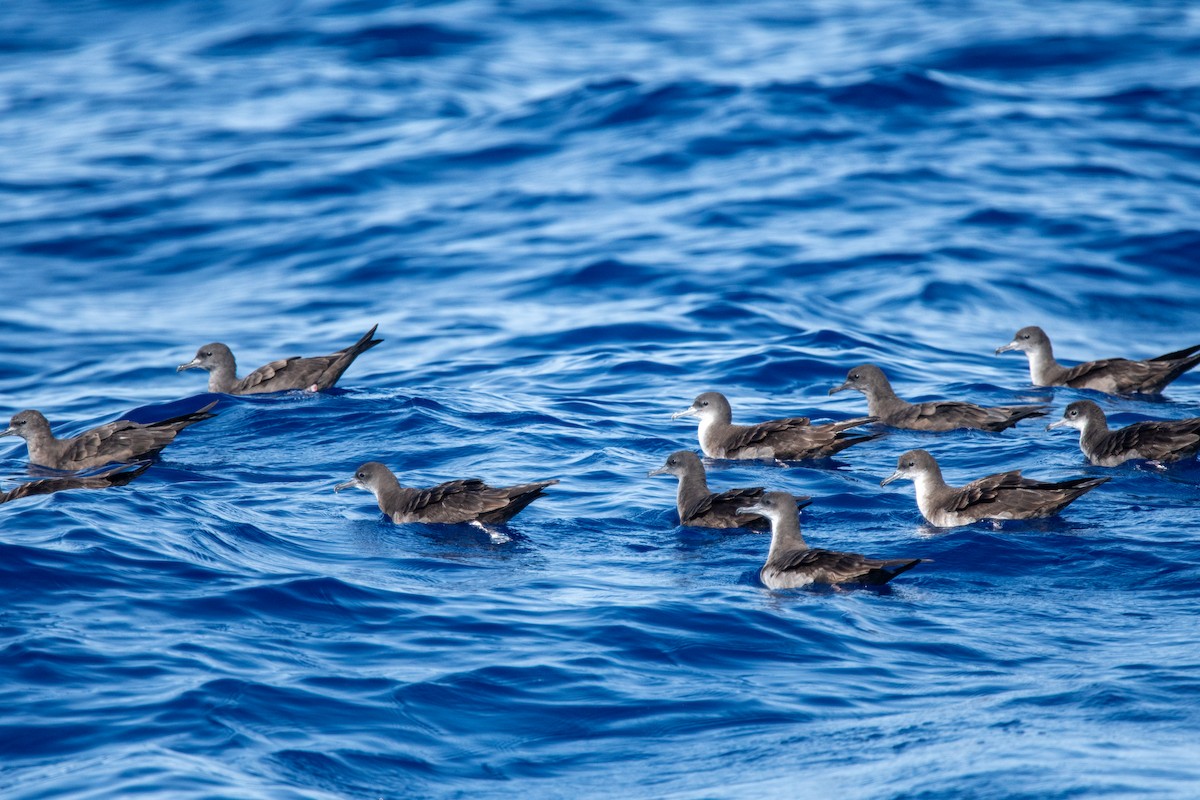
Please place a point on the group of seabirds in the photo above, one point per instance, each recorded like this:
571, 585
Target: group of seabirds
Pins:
115, 453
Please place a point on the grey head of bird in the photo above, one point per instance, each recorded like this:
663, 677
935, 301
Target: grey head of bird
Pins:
369, 476
912, 465
710, 406
209, 357
678, 464
773, 506
1028, 339
862, 378
25, 424
1078, 415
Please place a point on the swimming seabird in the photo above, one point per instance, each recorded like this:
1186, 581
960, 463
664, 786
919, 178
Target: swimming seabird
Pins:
700, 508
791, 563
934, 415
116, 475
1005, 495
454, 501
312, 374
120, 441
1112, 375
1162, 441
784, 439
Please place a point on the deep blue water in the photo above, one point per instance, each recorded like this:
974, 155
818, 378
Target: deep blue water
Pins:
568, 220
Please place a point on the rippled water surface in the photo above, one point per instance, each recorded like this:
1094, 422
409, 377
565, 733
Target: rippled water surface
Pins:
569, 219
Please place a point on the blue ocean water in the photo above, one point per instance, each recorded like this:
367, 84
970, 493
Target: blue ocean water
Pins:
569, 219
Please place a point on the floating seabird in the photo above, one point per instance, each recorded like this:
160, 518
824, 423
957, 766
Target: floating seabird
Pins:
934, 415
312, 374
700, 508
454, 501
1112, 375
120, 441
117, 475
1006, 495
785, 439
1164, 442
791, 563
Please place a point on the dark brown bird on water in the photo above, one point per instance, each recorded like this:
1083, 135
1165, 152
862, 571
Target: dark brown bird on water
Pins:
311, 374
454, 501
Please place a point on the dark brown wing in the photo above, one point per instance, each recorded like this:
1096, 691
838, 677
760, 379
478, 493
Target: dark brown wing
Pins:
117, 441
461, 495
278, 376
749, 435
831, 566
1155, 440
724, 504
1122, 371
986, 490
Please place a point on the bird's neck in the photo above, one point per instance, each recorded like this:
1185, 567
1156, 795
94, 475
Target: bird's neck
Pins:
929, 488
1043, 369
221, 378
389, 493
786, 536
711, 433
44, 448
692, 487
882, 399
1093, 432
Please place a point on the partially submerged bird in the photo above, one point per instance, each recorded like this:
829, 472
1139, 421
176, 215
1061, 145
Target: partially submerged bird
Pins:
784, 439
1112, 375
117, 475
120, 441
311, 374
933, 415
1165, 442
700, 508
455, 501
792, 564
1006, 495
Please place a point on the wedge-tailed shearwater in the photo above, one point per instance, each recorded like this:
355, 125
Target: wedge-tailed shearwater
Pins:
792, 564
120, 441
784, 439
933, 415
1112, 375
1163, 441
312, 374
454, 501
1005, 495
700, 508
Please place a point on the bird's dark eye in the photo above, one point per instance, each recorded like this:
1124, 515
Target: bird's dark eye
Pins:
853, 376
20, 422
704, 403
911, 464
1073, 413
361, 475
1024, 335
672, 462
207, 353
